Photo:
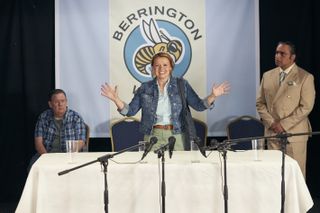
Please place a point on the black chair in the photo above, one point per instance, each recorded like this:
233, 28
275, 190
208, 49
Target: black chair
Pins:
86, 147
125, 133
243, 127
201, 130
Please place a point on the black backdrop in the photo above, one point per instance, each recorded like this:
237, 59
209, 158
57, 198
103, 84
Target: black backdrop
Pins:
27, 75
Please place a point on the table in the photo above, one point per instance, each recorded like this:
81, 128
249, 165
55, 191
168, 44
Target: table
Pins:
254, 186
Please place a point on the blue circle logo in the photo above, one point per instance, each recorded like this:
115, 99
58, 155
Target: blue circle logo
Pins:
150, 38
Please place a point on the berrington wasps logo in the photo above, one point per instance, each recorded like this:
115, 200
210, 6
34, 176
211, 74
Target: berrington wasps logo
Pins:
152, 37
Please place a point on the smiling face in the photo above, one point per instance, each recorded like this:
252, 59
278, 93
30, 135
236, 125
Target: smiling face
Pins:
58, 104
162, 68
283, 57
162, 65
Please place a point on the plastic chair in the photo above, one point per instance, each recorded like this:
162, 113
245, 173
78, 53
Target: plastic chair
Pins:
201, 130
125, 133
243, 127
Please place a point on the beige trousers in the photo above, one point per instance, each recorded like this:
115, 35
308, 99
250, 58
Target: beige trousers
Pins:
163, 136
296, 150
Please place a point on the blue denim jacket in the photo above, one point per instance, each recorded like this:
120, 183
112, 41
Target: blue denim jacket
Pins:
146, 98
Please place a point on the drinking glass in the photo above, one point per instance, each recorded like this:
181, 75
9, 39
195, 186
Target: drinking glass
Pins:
72, 146
257, 147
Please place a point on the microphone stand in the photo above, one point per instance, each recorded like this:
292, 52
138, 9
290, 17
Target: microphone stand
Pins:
163, 183
104, 162
223, 147
225, 185
160, 151
283, 140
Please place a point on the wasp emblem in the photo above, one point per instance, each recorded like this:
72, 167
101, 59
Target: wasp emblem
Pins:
160, 42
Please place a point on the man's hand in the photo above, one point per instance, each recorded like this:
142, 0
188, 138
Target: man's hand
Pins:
276, 127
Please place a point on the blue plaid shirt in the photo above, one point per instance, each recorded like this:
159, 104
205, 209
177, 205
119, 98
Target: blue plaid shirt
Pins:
73, 128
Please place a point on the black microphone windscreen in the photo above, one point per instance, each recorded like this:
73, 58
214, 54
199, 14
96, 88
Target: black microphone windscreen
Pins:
214, 142
153, 140
172, 141
201, 148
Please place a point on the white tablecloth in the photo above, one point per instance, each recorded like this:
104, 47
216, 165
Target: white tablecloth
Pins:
254, 186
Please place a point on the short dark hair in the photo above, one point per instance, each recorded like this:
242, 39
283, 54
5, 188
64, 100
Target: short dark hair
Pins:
291, 45
54, 92
165, 55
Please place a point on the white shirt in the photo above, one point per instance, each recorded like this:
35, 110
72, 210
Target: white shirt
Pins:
287, 70
164, 107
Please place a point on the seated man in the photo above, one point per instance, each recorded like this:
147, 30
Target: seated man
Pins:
56, 125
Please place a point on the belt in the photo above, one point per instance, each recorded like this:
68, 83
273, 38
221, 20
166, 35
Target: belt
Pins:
166, 127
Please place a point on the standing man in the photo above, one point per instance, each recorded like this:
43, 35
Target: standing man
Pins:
56, 125
285, 99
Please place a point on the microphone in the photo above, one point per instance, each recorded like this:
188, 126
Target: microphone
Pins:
214, 143
202, 149
172, 141
153, 141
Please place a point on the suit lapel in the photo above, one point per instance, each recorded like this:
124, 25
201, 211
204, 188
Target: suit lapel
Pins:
291, 77
274, 77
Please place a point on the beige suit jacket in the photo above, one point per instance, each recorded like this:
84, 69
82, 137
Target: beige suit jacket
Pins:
290, 103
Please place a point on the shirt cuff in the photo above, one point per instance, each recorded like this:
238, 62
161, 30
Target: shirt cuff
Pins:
125, 110
205, 103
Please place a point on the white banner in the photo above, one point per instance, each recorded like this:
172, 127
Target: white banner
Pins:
111, 41
139, 30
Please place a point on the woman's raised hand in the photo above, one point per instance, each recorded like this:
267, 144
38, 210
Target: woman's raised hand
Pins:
109, 92
220, 89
